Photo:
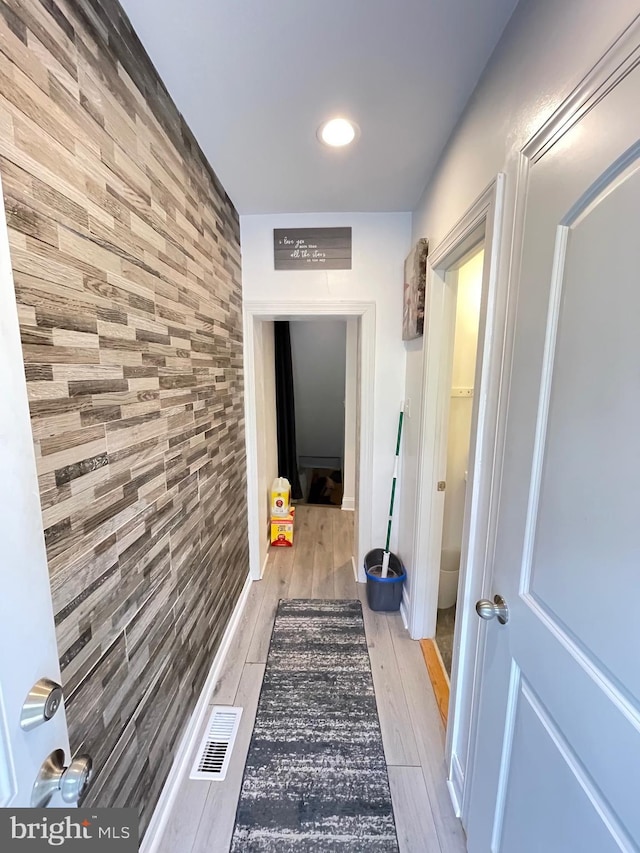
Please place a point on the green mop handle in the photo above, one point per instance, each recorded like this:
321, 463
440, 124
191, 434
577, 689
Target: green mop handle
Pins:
395, 478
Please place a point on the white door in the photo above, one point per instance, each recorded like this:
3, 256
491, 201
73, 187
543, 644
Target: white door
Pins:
557, 760
28, 650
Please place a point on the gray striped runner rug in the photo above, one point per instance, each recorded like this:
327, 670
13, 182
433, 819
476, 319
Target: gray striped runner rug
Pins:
315, 777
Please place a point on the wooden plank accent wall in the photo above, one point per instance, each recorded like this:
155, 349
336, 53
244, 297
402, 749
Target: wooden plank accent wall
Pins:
125, 250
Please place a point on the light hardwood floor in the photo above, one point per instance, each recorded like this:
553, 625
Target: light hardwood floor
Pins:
319, 566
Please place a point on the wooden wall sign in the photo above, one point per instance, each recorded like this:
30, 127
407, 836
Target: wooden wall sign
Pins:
312, 248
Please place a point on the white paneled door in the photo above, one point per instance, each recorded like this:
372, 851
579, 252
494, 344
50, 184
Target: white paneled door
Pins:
28, 651
557, 761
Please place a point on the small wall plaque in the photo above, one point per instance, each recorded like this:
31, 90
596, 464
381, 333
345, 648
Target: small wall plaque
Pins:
312, 248
415, 282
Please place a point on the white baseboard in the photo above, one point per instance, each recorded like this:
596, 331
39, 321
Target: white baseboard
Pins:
157, 825
348, 504
264, 565
405, 608
355, 568
454, 799
456, 785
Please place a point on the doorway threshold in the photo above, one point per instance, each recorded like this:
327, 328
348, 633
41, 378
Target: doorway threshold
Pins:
438, 676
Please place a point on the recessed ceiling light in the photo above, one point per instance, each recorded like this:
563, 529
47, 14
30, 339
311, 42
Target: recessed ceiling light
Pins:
337, 132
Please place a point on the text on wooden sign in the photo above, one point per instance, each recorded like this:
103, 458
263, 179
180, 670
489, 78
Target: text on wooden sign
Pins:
312, 248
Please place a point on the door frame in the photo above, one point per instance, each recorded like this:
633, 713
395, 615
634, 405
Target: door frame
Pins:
26, 614
257, 312
482, 223
608, 71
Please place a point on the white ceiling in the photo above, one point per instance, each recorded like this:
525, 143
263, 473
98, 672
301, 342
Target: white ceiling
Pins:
255, 78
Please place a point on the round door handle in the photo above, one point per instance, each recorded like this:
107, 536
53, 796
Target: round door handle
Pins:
493, 609
76, 778
71, 781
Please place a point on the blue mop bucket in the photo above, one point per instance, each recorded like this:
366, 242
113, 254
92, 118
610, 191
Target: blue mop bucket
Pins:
384, 594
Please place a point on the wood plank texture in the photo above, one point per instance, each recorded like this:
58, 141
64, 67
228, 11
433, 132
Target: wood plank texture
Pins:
218, 817
438, 676
203, 817
205, 811
276, 587
343, 539
322, 585
429, 734
126, 260
414, 821
304, 538
397, 732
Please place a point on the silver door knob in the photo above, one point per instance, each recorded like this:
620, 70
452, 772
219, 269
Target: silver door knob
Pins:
491, 609
71, 781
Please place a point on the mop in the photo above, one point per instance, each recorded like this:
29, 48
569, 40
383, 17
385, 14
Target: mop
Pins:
387, 553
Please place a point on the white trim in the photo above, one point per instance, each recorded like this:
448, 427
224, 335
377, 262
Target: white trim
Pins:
350, 442
511, 252
482, 220
27, 622
355, 568
274, 310
8, 780
453, 796
182, 761
405, 607
483, 462
264, 565
619, 60
348, 504
431, 454
471, 228
367, 357
254, 516
515, 680
544, 401
455, 784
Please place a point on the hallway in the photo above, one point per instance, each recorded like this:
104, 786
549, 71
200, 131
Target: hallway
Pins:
319, 566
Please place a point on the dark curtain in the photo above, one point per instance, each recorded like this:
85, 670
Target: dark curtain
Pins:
285, 409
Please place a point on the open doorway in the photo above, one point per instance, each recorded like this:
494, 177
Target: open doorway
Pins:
480, 228
465, 282
318, 358
357, 451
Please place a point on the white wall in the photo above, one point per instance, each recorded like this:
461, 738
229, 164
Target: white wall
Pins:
380, 244
469, 283
547, 48
350, 415
318, 355
267, 434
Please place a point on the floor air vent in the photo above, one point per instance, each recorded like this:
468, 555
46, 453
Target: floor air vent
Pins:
212, 759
